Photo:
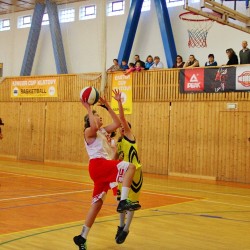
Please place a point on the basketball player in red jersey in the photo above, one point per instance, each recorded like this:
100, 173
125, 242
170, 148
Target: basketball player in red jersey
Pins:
103, 171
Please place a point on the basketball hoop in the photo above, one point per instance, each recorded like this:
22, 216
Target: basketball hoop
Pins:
198, 27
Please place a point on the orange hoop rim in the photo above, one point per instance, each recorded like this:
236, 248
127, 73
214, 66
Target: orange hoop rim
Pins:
181, 16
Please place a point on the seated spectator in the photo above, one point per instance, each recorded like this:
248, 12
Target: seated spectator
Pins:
179, 62
233, 58
149, 62
157, 63
211, 61
138, 67
114, 67
131, 68
191, 62
124, 65
137, 59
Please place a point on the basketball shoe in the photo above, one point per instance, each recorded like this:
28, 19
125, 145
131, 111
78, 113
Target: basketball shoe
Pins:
80, 242
121, 237
119, 230
127, 205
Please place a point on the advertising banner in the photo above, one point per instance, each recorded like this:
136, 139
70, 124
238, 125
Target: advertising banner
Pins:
33, 88
243, 78
124, 84
215, 80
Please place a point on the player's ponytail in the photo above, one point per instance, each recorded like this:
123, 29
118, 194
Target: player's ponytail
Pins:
86, 120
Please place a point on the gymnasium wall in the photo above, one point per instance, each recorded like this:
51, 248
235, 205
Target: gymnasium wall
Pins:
192, 135
82, 41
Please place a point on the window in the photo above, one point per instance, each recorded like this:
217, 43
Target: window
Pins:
24, 21
45, 20
116, 8
146, 5
87, 12
67, 15
4, 24
173, 3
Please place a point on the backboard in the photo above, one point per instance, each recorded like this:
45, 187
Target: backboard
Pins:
234, 13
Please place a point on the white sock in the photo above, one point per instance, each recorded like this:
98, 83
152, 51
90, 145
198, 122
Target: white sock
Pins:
85, 231
125, 191
130, 215
122, 219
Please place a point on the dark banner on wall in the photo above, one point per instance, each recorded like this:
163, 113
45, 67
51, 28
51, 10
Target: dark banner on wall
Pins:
215, 80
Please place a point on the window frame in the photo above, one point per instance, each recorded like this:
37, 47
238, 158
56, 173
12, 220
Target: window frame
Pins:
111, 11
174, 3
69, 19
147, 7
21, 23
82, 12
4, 27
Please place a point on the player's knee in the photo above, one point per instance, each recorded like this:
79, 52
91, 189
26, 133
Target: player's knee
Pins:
132, 167
98, 204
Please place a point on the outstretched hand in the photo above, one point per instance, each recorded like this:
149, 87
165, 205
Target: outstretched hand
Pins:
103, 102
85, 103
117, 95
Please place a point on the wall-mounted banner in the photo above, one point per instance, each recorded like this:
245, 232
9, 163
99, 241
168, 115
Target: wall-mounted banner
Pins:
243, 78
124, 84
215, 80
35, 87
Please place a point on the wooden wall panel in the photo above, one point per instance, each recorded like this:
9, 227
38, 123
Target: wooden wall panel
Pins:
64, 132
209, 140
150, 126
9, 112
186, 140
193, 148
31, 131
234, 143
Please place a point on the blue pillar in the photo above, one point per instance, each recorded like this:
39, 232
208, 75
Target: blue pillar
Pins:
166, 32
34, 33
130, 30
56, 36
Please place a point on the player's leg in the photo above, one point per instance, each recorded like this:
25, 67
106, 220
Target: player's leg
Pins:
81, 239
126, 173
124, 230
120, 228
122, 216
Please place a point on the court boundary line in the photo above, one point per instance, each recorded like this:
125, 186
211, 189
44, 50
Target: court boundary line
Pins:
45, 195
153, 193
46, 178
208, 192
106, 219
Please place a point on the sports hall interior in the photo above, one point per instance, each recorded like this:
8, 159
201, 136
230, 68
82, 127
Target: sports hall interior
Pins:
194, 147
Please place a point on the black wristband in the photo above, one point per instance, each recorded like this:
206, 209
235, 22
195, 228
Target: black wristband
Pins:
104, 106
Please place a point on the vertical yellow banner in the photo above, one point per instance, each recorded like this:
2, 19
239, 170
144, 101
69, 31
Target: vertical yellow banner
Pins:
124, 84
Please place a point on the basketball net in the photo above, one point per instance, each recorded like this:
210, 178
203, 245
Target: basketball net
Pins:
198, 27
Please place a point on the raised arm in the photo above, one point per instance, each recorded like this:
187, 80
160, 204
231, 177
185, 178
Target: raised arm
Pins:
90, 132
127, 130
116, 121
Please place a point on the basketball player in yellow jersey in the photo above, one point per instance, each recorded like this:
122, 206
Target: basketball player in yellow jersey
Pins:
127, 151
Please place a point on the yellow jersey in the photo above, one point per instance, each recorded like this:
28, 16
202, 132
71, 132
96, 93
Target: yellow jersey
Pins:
127, 151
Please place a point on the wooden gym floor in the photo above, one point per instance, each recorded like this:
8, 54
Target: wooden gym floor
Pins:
42, 206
